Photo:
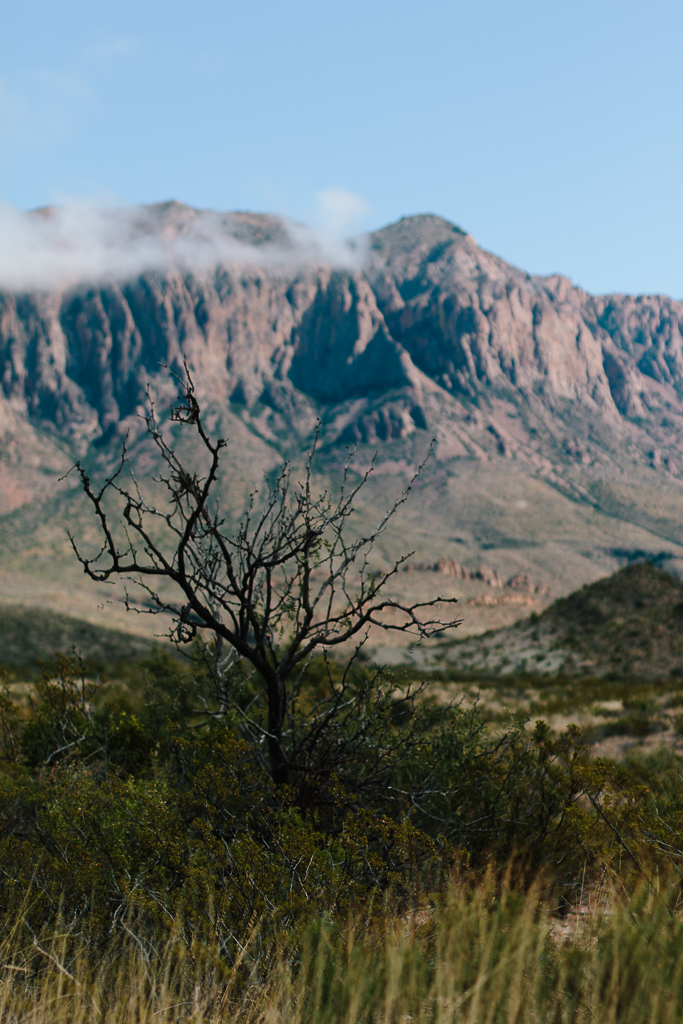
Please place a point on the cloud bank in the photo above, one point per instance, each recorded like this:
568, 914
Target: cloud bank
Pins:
77, 242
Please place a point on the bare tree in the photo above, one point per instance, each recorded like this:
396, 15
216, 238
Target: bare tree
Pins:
289, 580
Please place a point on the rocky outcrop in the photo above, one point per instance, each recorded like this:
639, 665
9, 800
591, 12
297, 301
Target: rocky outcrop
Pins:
79, 362
520, 581
469, 320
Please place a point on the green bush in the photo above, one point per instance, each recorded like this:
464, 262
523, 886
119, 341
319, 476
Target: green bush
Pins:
151, 805
640, 719
156, 805
638, 724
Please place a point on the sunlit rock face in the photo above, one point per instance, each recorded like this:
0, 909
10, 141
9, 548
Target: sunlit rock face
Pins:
468, 320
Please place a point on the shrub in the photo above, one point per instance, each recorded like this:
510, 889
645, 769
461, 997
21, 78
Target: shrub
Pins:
157, 806
112, 806
640, 720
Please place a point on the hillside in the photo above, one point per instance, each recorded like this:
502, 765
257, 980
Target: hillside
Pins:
629, 625
28, 635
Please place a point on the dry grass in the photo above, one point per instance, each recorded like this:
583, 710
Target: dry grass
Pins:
490, 954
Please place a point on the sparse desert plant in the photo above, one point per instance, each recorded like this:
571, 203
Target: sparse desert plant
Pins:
112, 805
640, 720
152, 858
638, 724
289, 581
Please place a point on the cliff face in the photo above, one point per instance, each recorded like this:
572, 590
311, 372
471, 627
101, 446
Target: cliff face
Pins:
430, 319
469, 320
80, 361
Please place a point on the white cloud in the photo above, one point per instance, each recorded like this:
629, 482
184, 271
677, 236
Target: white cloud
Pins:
80, 242
339, 213
336, 234
59, 246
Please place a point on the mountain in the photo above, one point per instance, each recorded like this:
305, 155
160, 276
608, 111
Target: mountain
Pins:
429, 315
558, 415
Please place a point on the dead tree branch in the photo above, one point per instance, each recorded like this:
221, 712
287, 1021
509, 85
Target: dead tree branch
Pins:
289, 580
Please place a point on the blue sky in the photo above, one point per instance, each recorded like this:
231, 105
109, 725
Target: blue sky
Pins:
552, 132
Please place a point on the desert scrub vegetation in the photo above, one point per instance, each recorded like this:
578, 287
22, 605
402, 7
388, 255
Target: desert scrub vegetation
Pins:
486, 951
152, 869
627, 707
156, 803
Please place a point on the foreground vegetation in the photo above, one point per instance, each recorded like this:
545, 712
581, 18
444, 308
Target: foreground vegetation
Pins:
449, 865
486, 953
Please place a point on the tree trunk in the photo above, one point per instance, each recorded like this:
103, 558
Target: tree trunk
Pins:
277, 708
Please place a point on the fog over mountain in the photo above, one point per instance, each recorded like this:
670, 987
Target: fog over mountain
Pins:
56, 247
531, 386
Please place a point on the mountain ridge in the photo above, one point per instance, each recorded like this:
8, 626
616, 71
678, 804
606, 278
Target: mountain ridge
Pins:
428, 299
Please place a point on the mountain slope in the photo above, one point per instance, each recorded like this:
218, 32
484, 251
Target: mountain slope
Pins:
28, 635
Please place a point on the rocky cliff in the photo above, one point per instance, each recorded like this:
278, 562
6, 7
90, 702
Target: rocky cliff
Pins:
428, 318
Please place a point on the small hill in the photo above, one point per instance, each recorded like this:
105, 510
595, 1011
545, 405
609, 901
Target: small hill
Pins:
30, 634
629, 624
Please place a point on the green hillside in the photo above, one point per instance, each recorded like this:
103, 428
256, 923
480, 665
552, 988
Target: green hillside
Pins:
629, 624
30, 634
